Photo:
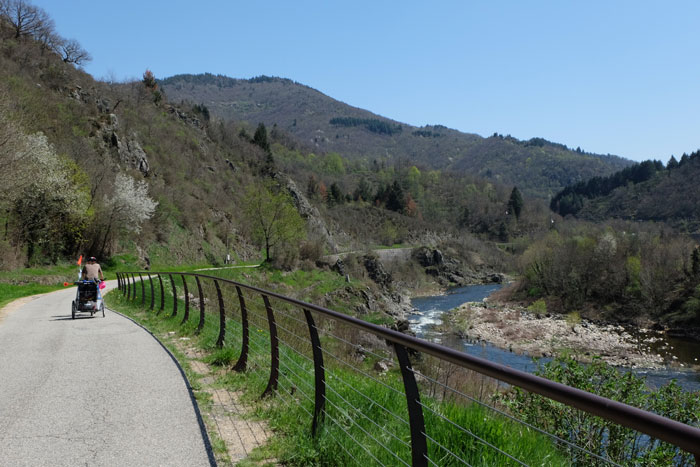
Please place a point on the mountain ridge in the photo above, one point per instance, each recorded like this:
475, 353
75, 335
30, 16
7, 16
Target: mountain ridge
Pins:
539, 167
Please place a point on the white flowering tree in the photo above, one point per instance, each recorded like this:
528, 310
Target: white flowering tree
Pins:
47, 209
127, 209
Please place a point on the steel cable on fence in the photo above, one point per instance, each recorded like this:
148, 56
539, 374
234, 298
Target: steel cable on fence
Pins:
326, 352
284, 395
343, 381
301, 379
296, 389
298, 338
343, 447
357, 346
446, 450
515, 419
350, 386
295, 384
309, 385
365, 432
337, 423
369, 419
470, 433
287, 348
289, 315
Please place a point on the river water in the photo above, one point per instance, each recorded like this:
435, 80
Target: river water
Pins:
429, 310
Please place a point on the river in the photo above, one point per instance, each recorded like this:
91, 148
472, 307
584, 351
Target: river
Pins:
429, 310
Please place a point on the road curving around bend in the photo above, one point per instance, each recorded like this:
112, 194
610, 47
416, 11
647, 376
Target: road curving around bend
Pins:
91, 391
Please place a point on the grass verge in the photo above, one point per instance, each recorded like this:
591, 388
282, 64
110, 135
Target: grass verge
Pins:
365, 418
11, 292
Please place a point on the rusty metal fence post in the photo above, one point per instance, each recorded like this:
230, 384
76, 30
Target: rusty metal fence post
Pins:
162, 294
419, 443
243, 358
150, 279
172, 283
200, 325
274, 350
222, 317
187, 301
143, 290
319, 374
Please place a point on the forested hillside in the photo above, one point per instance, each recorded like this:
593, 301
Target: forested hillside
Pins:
537, 166
108, 168
647, 192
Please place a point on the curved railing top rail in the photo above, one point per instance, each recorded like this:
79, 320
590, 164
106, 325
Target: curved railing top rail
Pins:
684, 436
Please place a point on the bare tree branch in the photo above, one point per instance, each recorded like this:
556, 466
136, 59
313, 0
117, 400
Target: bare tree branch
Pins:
72, 52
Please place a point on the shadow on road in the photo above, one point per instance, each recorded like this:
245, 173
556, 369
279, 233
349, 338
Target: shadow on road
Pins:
69, 318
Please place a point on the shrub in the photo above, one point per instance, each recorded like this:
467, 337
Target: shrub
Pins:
539, 307
602, 437
311, 250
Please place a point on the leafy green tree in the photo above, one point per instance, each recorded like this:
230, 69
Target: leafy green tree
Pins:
333, 164
272, 218
515, 203
695, 262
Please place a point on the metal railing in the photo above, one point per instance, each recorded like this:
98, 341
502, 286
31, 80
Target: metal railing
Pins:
276, 325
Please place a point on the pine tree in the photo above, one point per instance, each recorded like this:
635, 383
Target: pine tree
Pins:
515, 203
672, 163
395, 199
260, 137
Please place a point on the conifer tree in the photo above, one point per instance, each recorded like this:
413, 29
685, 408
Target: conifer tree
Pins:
260, 137
515, 203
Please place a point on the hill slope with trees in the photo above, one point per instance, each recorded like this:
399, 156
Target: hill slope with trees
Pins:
538, 166
648, 191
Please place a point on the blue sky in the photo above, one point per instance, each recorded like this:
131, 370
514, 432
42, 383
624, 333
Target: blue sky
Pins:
618, 77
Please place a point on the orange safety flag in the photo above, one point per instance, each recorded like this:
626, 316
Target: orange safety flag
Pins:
80, 260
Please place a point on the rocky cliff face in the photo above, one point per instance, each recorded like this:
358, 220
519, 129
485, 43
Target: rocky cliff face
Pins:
315, 222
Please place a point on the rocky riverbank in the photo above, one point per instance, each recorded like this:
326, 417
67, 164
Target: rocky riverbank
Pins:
516, 329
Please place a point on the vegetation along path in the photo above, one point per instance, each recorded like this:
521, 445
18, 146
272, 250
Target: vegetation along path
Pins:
91, 391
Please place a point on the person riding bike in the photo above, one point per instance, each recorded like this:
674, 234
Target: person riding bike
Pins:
92, 270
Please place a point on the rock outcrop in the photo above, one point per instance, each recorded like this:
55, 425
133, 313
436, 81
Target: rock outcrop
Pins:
313, 218
132, 154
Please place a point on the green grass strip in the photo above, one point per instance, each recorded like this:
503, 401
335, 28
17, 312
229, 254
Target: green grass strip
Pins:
365, 419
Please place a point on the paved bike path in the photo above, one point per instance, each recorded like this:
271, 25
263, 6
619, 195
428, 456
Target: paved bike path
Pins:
91, 392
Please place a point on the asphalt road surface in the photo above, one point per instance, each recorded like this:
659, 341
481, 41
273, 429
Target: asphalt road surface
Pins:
91, 392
